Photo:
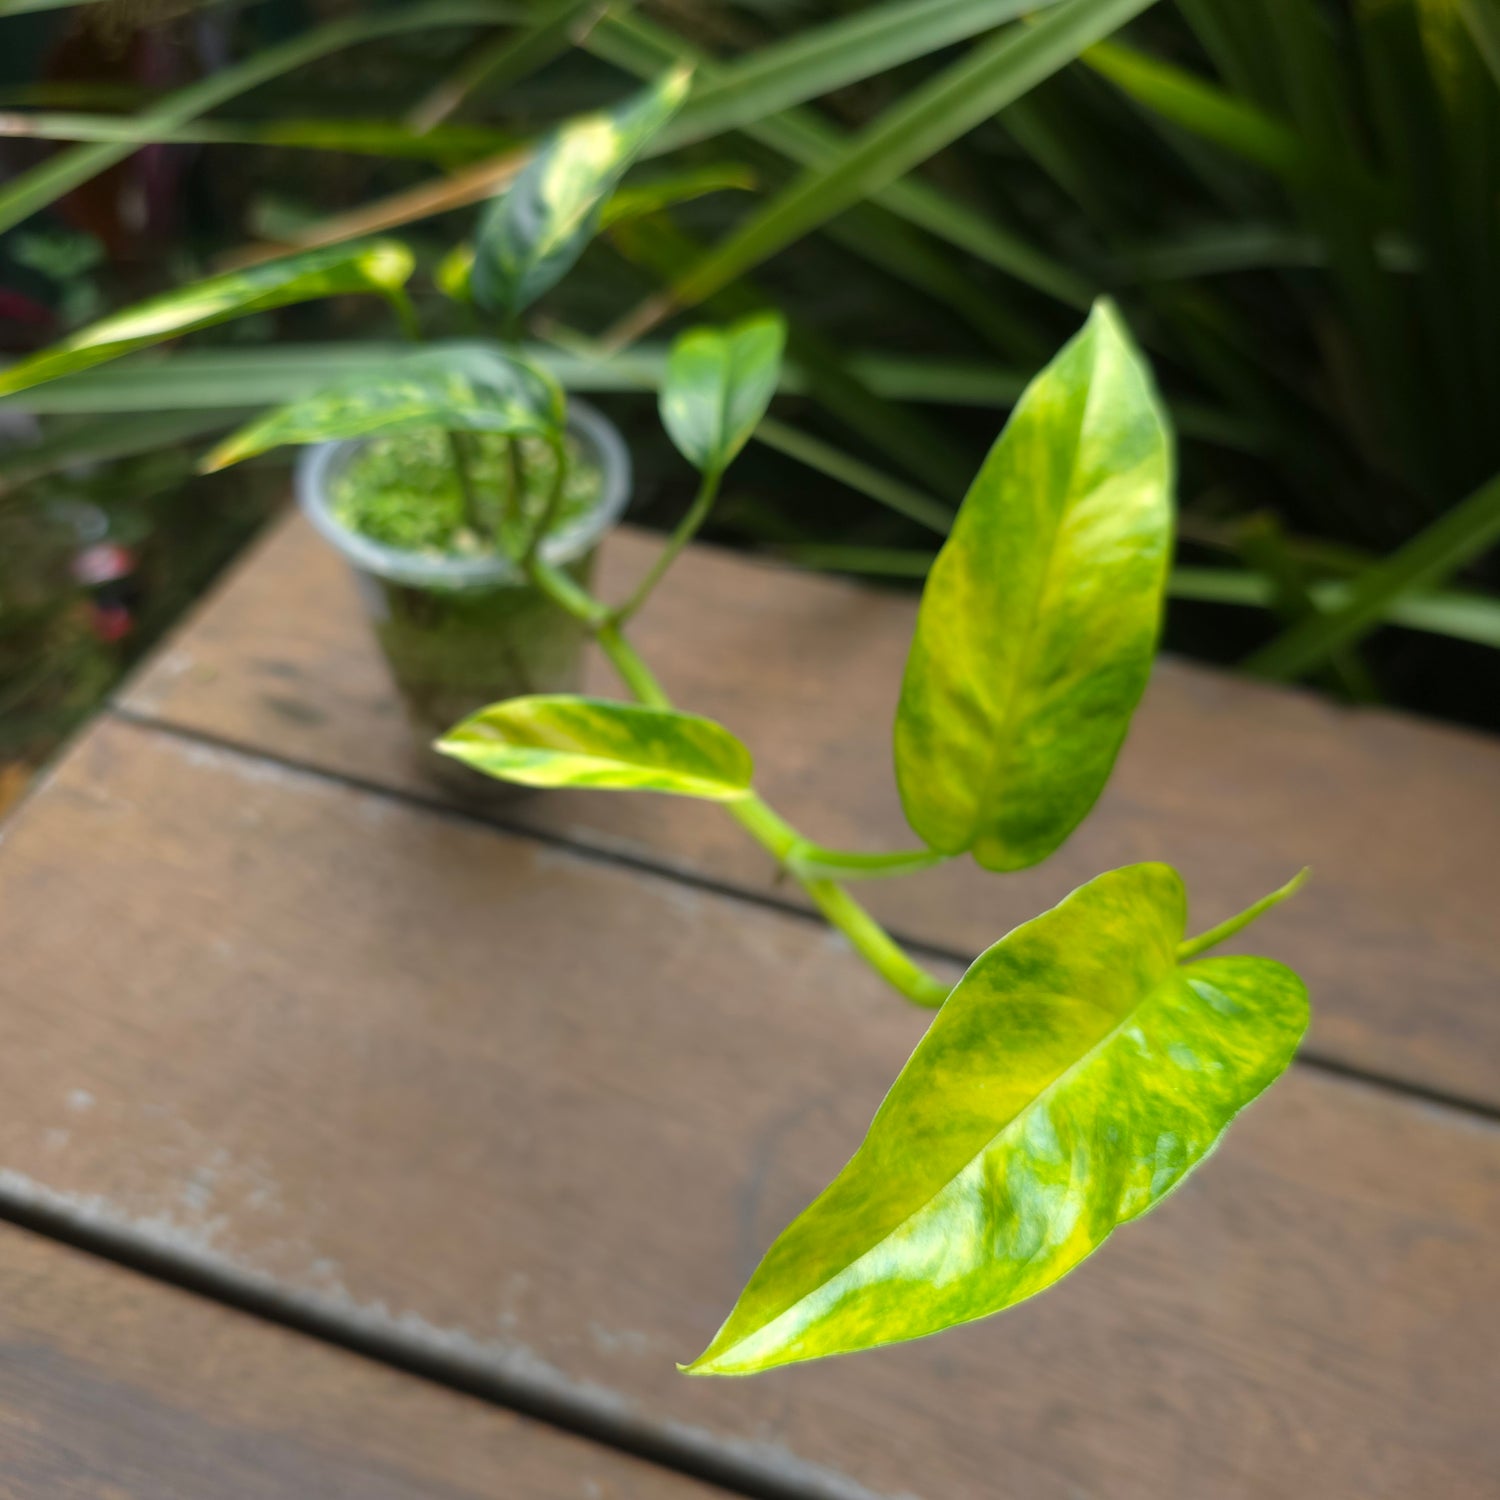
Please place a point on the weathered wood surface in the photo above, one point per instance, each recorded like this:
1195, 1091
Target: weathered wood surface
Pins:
539, 1112
1238, 784
116, 1387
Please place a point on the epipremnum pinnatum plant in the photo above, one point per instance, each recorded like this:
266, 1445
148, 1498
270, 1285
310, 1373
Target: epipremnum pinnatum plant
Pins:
1088, 1060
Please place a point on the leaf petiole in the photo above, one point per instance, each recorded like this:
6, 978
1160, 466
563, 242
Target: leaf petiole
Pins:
818, 863
687, 529
772, 832
1193, 946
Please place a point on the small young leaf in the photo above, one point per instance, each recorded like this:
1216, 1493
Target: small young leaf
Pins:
1040, 616
379, 266
718, 385
529, 237
1070, 1081
561, 740
453, 272
465, 389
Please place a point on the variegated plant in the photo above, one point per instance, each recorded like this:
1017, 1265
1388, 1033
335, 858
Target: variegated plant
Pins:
1089, 1059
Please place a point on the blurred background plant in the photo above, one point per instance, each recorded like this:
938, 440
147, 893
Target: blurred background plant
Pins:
1296, 202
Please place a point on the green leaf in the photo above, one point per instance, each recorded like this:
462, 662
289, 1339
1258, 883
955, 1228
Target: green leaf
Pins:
531, 236
874, 483
378, 266
815, 60
556, 740
30, 192
637, 199
1201, 107
362, 137
1040, 616
462, 390
1465, 532
1070, 1081
627, 40
719, 383
968, 92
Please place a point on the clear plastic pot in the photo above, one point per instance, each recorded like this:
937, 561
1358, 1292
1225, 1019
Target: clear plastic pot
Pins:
461, 632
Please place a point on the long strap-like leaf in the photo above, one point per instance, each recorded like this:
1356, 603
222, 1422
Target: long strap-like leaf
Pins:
815, 61
799, 135
1466, 531
32, 191
973, 89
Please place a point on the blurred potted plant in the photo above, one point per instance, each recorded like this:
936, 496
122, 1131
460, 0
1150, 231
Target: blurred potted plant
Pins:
439, 474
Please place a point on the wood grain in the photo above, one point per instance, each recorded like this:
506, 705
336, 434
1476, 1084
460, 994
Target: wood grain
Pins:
117, 1387
540, 1113
1238, 784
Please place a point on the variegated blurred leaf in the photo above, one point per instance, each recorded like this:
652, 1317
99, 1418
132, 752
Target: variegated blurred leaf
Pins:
719, 383
379, 266
1040, 615
463, 389
561, 740
1069, 1083
529, 237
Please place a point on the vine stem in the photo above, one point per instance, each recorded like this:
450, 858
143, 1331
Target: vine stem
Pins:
771, 831
687, 529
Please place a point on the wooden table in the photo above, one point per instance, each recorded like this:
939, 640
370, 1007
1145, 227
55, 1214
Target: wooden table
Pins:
356, 1144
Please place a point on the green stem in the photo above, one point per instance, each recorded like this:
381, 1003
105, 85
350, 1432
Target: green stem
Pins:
869, 939
515, 462
687, 529
820, 863
549, 513
458, 451
774, 834
1226, 930
406, 313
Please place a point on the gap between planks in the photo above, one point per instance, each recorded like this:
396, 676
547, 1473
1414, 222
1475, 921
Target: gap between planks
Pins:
599, 1419
436, 806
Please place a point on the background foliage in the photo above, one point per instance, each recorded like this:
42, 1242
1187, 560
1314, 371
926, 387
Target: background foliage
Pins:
1294, 202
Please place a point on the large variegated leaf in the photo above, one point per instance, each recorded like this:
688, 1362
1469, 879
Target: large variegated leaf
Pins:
560, 740
1070, 1081
380, 266
718, 385
1041, 612
530, 237
463, 389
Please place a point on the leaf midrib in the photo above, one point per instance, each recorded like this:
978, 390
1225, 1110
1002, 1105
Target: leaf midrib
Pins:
1021, 674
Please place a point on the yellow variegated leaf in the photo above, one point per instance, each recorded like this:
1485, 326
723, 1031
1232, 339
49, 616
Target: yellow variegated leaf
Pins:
1072, 1079
462, 389
531, 235
1039, 620
554, 740
379, 266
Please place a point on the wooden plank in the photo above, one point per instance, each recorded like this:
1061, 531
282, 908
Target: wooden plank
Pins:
117, 1387
1239, 784
540, 1113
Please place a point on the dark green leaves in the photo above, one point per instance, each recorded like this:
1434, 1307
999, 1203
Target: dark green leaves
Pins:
1072, 1079
1040, 615
559, 740
465, 389
379, 266
530, 237
718, 385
